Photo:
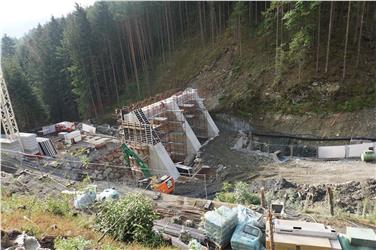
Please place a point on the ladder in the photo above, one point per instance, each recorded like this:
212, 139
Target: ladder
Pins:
144, 120
130, 154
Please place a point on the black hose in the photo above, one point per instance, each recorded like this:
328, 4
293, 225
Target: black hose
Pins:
300, 137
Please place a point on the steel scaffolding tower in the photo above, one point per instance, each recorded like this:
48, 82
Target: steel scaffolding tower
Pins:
8, 120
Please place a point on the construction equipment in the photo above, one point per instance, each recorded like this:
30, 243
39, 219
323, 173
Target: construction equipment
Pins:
165, 184
8, 119
130, 155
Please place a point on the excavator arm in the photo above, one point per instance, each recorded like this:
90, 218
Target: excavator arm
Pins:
130, 154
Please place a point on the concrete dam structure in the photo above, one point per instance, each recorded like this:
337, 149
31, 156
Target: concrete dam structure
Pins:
167, 134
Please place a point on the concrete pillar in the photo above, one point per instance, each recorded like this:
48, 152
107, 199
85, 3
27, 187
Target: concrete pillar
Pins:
212, 127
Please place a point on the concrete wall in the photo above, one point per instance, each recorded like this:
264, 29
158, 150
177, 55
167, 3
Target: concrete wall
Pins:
213, 130
160, 162
344, 151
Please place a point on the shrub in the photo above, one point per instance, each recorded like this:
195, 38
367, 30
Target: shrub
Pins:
58, 206
130, 219
241, 194
74, 243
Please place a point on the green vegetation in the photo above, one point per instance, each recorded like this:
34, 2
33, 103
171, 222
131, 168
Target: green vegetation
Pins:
54, 216
58, 206
238, 193
286, 57
74, 243
130, 219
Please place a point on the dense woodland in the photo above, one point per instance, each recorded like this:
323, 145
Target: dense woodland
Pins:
75, 67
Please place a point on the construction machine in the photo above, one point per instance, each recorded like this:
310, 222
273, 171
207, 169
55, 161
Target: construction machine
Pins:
164, 184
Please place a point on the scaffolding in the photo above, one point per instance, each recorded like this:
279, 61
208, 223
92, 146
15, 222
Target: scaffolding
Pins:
194, 113
170, 126
165, 121
137, 135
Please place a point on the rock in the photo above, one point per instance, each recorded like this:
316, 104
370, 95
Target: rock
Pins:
107, 171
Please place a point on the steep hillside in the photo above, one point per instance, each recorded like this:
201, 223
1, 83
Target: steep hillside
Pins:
252, 59
320, 103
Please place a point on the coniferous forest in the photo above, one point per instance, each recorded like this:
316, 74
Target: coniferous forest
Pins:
76, 67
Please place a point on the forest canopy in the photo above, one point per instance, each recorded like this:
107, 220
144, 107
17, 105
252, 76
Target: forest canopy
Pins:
74, 67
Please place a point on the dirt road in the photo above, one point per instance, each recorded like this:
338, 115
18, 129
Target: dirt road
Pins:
234, 165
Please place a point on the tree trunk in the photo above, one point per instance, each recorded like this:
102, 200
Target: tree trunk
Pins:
357, 22
187, 18
104, 74
220, 18
167, 27
113, 71
133, 56
346, 40
329, 36
276, 41
124, 67
318, 40
212, 20
171, 25
281, 23
160, 34
256, 13
250, 12
239, 36
96, 83
360, 34
201, 26
181, 21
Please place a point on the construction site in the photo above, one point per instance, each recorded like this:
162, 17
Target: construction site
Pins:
172, 147
194, 125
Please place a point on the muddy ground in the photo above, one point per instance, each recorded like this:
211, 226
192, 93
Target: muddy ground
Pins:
231, 165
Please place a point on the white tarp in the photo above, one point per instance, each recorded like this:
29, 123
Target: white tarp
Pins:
48, 129
344, 151
88, 128
332, 152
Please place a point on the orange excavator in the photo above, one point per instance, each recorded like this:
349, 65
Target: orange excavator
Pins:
164, 184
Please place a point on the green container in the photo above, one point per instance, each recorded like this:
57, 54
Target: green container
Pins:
368, 156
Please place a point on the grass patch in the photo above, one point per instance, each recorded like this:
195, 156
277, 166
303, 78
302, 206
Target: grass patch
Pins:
34, 215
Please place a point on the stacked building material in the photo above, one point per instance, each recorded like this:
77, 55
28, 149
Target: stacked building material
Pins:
46, 147
88, 128
73, 137
65, 126
48, 129
220, 224
29, 143
10, 145
286, 234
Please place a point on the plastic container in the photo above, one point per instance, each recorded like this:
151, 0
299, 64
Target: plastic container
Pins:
368, 156
246, 237
220, 224
87, 198
109, 194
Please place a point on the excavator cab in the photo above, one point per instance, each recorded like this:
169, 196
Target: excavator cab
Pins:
165, 184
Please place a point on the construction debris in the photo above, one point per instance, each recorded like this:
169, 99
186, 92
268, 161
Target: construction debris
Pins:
46, 147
